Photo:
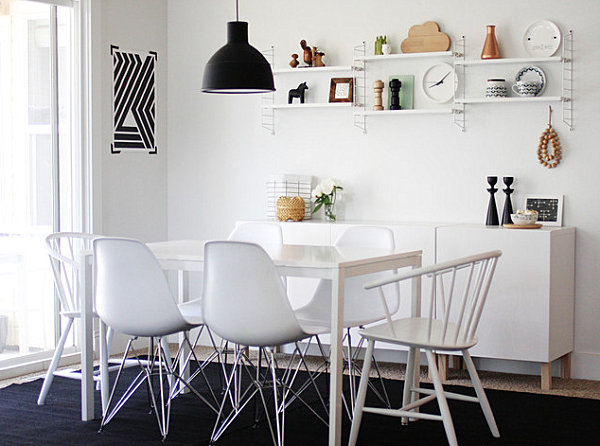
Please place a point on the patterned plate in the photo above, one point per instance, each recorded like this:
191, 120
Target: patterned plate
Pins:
532, 73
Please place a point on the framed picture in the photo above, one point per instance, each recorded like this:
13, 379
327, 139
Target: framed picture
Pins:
550, 208
341, 89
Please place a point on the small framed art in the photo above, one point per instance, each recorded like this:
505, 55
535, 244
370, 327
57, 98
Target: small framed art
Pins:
341, 89
550, 208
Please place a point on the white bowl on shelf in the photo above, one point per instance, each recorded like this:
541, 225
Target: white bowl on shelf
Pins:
522, 218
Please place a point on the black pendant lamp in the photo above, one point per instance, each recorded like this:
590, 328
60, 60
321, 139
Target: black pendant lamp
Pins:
238, 67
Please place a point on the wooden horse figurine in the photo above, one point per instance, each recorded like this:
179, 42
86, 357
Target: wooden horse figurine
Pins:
297, 93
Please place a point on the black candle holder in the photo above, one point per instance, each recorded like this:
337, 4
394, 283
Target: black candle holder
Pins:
492, 211
508, 209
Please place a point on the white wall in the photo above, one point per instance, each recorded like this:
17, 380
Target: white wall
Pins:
130, 188
419, 168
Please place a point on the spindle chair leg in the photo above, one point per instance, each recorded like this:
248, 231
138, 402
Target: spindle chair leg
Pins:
483, 401
362, 393
441, 399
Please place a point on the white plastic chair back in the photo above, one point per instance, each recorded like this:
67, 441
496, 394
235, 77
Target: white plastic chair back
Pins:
459, 290
132, 293
64, 250
360, 306
261, 233
366, 237
244, 299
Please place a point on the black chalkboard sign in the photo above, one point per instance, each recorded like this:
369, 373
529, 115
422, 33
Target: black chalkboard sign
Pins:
549, 209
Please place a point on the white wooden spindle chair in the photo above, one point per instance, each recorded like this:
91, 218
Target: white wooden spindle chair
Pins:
64, 250
459, 289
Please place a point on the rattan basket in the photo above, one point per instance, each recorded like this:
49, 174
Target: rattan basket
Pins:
290, 208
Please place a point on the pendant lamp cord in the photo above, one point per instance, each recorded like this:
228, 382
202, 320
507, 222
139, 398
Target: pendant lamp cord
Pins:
237, 15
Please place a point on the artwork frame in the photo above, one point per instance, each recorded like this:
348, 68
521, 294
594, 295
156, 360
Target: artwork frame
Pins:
549, 207
341, 89
134, 101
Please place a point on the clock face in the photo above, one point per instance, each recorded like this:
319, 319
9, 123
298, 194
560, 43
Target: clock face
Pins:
439, 83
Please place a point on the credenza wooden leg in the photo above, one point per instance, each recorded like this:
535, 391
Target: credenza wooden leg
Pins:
565, 366
443, 367
546, 376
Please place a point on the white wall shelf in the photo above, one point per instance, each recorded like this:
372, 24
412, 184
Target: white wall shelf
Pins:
311, 70
308, 105
388, 57
508, 100
360, 64
566, 91
419, 111
519, 60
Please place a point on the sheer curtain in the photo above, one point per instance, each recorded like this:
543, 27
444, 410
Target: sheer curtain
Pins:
40, 174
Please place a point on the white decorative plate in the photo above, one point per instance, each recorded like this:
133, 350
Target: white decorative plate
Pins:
542, 39
532, 73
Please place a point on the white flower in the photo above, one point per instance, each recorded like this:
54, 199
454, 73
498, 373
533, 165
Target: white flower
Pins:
317, 192
327, 186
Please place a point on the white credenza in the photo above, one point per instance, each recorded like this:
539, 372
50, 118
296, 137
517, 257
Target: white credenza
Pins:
529, 314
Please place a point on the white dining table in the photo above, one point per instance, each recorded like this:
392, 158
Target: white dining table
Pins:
324, 262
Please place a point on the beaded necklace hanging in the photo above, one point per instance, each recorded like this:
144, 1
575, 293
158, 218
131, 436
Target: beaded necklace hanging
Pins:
549, 135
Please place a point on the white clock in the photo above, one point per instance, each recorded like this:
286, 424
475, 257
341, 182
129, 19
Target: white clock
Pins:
439, 83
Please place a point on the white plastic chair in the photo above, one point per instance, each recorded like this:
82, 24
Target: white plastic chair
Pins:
133, 297
245, 302
361, 307
261, 233
64, 250
459, 289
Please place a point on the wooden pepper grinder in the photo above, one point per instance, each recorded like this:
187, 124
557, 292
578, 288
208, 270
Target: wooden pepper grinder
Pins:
378, 88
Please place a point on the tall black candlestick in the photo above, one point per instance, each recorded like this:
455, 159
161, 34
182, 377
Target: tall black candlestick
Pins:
492, 212
508, 209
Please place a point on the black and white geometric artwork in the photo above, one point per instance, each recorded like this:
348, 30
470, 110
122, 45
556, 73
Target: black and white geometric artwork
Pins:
134, 101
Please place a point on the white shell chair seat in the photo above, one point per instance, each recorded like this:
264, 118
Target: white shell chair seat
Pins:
459, 290
245, 302
133, 297
361, 307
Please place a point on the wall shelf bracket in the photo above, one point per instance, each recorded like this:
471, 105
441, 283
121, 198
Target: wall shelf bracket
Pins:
567, 80
268, 99
360, 86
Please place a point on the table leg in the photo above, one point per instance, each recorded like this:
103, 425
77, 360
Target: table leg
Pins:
87, 341
103, 359
335, 386
415, 311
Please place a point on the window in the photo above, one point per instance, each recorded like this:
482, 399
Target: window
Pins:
40, 173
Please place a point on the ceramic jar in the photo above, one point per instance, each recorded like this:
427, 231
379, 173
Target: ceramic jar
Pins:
496, 88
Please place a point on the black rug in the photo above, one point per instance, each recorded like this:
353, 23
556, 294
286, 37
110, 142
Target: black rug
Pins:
523, 419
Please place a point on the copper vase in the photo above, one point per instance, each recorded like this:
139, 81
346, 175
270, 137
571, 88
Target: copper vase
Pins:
490, 47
